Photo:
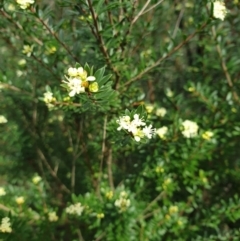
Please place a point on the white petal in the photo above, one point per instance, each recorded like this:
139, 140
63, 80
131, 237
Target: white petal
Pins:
72, 93
91, 78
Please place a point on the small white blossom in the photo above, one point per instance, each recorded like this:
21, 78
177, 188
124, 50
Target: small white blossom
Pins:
5, 226
122, 204
20, 200
75, 209
52, 217
24, 3
36, 179
3, 119
148, 131
48, 97
219, 10
137, 127
137, 121
190, 129
2, 191
149, 108
169, 93
161, 112
161, 132
123, 122
27, 49
75, 86
22, 62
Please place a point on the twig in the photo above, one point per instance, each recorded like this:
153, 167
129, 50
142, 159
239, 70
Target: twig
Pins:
109, 165
140, 12
224, 68
80, 235
155, 5
109, 14
43, 158
56, 37
19, 26
159, 61
101, 41
178, 22
14, 88
154, 201
45, 66
102, 156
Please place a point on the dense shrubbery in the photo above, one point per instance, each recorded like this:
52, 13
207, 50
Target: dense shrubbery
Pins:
119, 120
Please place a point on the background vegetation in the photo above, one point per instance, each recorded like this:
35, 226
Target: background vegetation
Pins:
169, 59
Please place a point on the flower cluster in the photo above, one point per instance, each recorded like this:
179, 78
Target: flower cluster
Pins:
137, 127
78, 81
75, 209
219, 10
52, 217
3, 119
5, 226
161, 132
24, 3
190, 129
161, 111
49, 99
122, 203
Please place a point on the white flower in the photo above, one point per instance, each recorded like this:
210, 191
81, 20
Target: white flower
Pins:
148, 131
149, 108
137, 121
169, 93
122, 203
2, 191
22, 62
36, 179
162, 132
52, 217
123, 122
161, 112
20, 200
219, 10
135, 127
75, 209
24, 3
48, 97
3, 119
5, 226
27, 49
75, 86
190, 129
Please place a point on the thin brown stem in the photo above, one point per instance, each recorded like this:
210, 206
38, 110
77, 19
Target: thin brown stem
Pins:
56, 37
45, 66
224, 67
102, 156
100, 40
51, 171
159, 61
109, 167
